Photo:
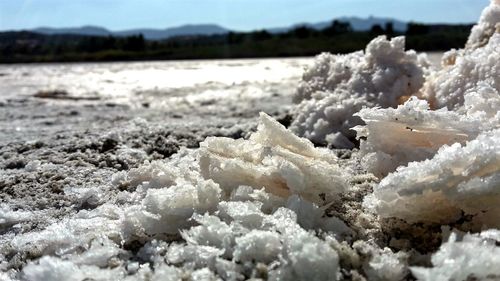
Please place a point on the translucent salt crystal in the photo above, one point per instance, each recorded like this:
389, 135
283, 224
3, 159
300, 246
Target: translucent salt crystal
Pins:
275, 159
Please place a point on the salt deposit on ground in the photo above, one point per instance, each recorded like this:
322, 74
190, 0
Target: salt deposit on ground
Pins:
186, 201
171, 196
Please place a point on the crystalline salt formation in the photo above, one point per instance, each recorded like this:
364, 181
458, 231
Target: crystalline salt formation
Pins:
462, 146
338, 86
459, 178
413, 132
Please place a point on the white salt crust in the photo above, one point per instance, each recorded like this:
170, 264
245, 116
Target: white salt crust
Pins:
255, 208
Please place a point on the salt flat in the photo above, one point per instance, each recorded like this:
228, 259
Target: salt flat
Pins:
82, 143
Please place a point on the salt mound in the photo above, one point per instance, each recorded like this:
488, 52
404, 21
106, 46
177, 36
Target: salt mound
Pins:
457, 145
458, 179
338, 86
273, 158
476, 256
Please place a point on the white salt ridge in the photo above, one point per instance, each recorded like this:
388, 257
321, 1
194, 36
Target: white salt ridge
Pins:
476, 256
55, 269
246, 236
338, 86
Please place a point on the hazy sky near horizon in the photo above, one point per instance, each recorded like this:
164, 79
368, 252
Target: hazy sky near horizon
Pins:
233, 14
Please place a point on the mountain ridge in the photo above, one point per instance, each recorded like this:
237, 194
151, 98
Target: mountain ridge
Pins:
357, 24
148, 33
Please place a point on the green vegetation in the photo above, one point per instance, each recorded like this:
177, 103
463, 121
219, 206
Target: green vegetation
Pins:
339, 37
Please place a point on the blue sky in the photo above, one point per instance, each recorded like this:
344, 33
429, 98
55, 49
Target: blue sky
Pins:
234, 14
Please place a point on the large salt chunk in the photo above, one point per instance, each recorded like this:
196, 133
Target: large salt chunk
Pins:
337, 87
475, 257
211, 232
307, 258
273, 158
464, 69
413, 132
258, 245
167, 210
458, 179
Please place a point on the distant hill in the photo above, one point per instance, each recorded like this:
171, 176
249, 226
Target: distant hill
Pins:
148, 33
357, 24
184, 30
84, 30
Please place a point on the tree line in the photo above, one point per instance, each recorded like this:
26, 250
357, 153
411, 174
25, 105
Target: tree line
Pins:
338, 37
